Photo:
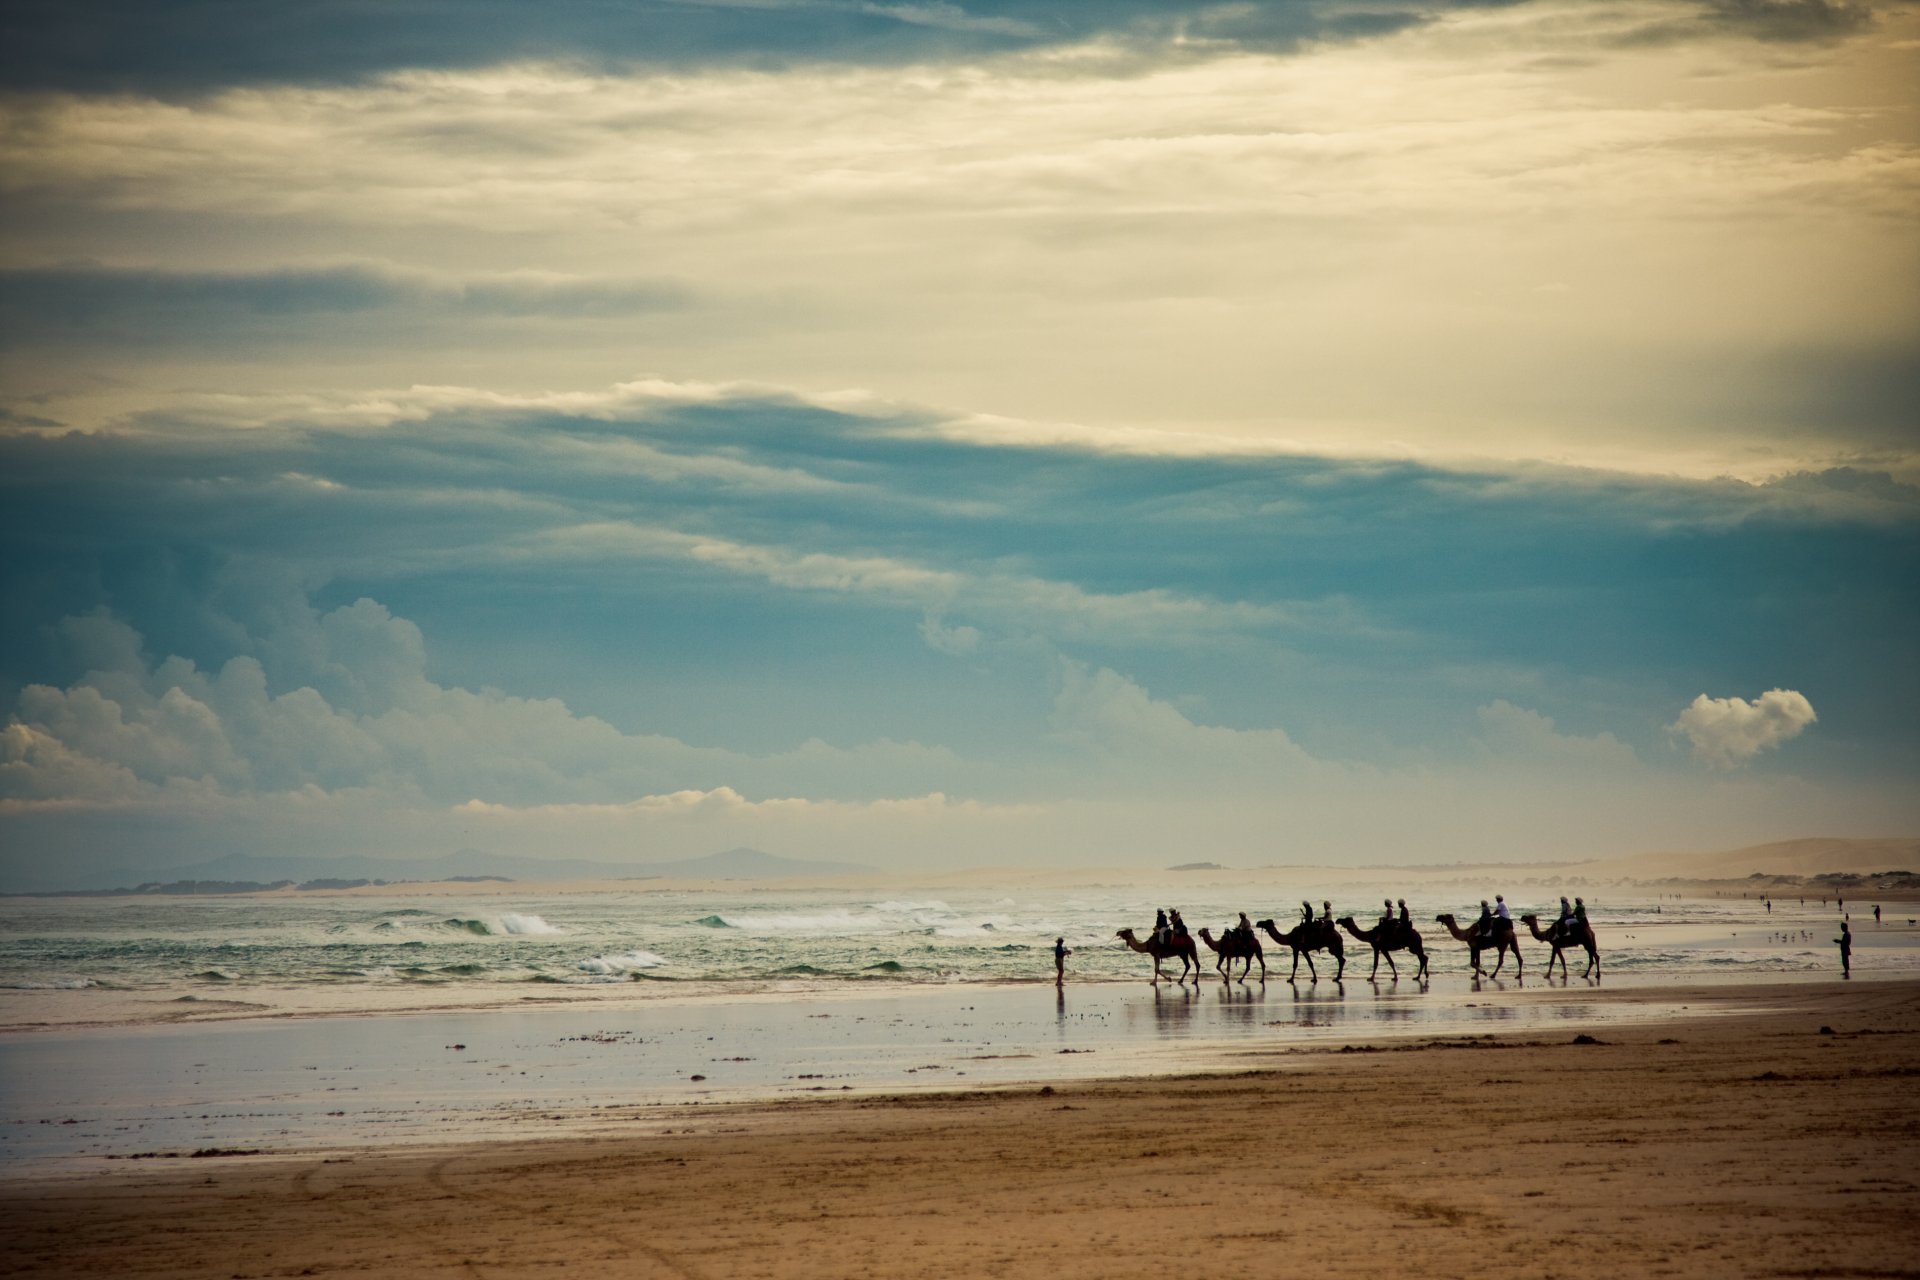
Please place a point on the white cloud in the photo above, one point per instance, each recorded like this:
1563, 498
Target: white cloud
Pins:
1728, 732
1117, 722
362, 716
1524, 736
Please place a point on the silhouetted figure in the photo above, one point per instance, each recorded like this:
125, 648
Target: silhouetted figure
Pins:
1161, 933
1846, 951
1876, 914
1060, 953
1306, 912
1406, 917
1180, 937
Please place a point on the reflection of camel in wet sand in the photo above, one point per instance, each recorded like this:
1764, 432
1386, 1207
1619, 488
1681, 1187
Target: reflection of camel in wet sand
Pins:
1236, 946
1578, 933
1387, 938
1179, 946
1501, 939
1305, 939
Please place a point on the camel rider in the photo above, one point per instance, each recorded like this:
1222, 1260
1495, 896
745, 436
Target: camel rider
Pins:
1563, 926
1484, 926
1406, 917
1160, 931
1179, 925
1580, 912
1500, 909
1306, 912
1326, 915
1245, 927
1386, 920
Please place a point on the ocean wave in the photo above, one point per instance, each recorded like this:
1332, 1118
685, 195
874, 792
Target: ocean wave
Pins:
526, 926
53, 984
619, 965
713, 922
215, 975
507, 925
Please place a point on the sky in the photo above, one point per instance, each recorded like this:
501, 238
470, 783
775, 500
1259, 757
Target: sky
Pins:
936, 435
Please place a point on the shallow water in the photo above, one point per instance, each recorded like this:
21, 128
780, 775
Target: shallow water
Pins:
314, 1084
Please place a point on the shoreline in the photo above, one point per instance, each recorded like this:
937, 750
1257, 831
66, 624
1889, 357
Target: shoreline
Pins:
1758, 1140
293, 1085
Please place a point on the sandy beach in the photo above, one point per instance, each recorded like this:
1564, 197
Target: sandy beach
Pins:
1775, 1139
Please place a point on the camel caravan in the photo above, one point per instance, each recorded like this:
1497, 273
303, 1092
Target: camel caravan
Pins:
1492, 933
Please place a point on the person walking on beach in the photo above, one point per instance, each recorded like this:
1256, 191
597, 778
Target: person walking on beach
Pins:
1060, 953
1876, 915
1846, 950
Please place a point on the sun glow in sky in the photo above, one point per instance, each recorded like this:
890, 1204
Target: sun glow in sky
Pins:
957, 433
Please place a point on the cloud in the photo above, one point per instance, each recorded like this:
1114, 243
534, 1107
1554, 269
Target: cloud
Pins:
1770, 21
186, 46
156, 307
1728, 732
362, 715
1525, 737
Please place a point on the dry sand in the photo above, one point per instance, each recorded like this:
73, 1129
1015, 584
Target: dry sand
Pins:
1749, 1145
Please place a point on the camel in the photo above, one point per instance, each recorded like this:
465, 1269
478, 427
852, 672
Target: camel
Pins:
1179, 946
1387, 938
1236, 946
1305, 939
1501, 939
1578, 933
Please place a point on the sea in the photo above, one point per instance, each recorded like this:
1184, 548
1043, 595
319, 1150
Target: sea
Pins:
296, 1025
340, 948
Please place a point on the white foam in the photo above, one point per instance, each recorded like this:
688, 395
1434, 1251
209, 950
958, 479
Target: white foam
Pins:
523, 926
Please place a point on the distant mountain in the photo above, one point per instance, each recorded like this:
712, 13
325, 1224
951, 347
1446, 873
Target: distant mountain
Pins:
731, 864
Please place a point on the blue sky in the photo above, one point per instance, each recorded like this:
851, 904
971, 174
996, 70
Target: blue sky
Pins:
957, 435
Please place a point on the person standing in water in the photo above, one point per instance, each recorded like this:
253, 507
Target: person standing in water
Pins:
1846, 950
1060, 953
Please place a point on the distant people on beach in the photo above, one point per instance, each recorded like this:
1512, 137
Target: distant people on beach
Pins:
1846, 951
1060, 953
1876, 915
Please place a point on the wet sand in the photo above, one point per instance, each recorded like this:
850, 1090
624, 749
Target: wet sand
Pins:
1752, 1143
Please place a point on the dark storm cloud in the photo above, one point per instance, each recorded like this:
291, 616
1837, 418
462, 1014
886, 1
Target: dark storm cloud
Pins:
776, 537
52, 305
1773, 21
188, 46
